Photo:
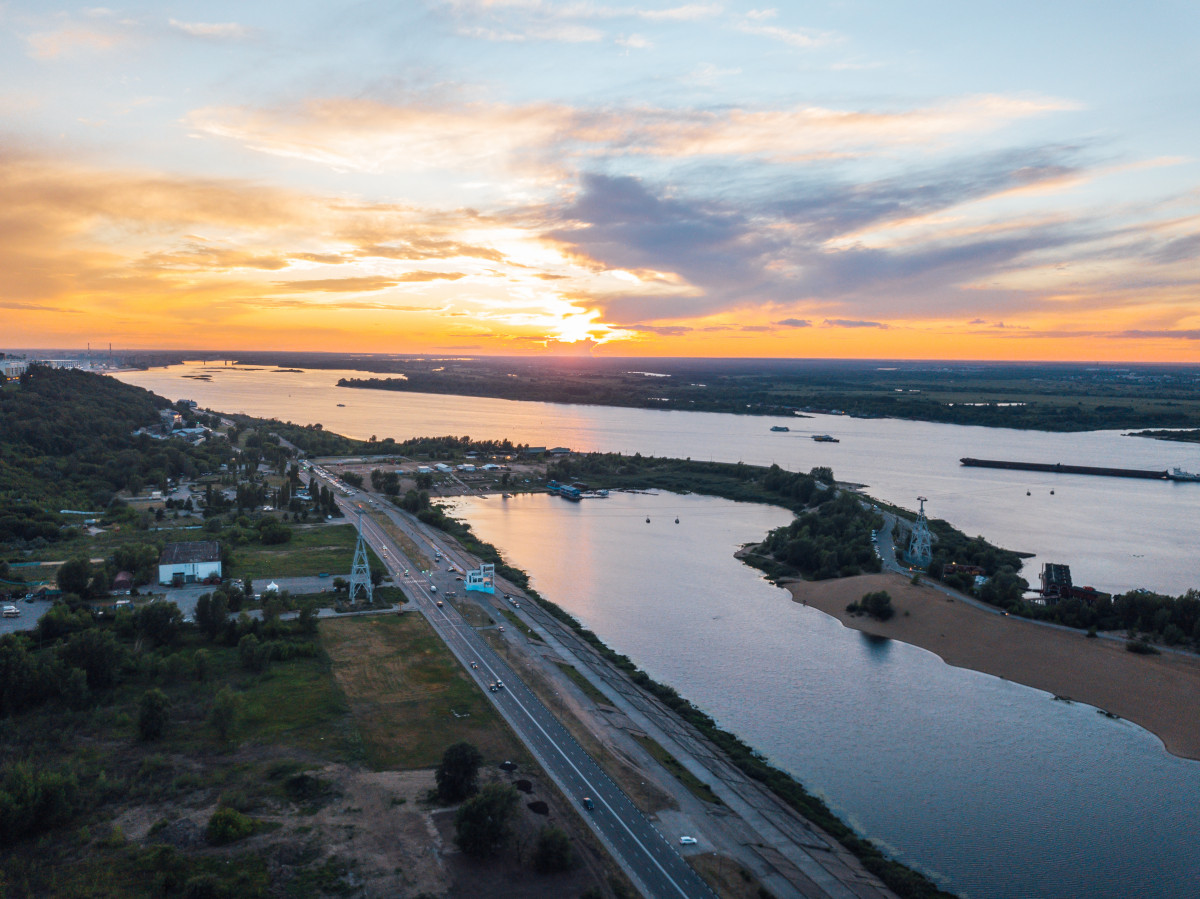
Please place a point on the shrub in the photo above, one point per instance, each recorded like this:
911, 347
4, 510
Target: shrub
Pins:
228, 825
878, 605
1141, 647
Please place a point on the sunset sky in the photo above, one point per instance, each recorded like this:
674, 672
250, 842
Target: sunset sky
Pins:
992, 180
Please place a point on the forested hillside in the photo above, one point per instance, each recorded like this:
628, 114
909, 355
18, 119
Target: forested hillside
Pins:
67, 441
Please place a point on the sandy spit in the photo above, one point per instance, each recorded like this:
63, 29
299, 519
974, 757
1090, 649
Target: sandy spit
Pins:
1159, 693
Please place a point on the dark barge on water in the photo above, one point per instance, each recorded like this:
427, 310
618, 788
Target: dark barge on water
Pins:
1059, 468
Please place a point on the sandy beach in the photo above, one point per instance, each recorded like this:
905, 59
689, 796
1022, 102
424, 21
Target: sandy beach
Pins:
1160, 693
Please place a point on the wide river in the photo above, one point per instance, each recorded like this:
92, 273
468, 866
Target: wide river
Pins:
1116, 534
993, 788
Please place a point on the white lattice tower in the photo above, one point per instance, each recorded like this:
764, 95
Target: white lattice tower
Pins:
920, 551
360, 573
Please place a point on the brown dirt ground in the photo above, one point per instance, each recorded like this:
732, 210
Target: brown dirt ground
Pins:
375, 821
1160, 693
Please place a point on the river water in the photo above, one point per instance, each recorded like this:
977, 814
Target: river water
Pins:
993, 788
1116, 534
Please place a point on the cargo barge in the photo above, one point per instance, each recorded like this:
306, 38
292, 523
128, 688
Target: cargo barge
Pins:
1059, 468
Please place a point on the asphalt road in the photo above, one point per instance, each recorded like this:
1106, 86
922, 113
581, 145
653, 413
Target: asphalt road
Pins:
642, 851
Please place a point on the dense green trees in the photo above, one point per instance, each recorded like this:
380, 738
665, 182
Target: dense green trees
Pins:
212, 613
34, 800
833, 539
159, 622
75, 576
482, 823
69, 442
457, 772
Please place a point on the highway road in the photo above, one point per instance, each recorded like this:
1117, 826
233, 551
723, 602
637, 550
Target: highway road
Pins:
651, 862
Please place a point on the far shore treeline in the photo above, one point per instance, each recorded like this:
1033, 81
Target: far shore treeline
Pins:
1045, 397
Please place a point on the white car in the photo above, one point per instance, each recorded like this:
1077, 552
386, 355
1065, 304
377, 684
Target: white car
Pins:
687, 841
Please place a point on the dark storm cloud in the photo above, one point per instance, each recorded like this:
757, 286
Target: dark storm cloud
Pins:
829, 209
737, 255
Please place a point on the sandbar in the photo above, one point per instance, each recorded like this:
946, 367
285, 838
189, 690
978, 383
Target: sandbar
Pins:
1160, 693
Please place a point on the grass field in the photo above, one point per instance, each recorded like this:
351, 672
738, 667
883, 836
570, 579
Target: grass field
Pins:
409, 696
312, 550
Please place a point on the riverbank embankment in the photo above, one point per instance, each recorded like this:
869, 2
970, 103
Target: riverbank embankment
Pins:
1160, 693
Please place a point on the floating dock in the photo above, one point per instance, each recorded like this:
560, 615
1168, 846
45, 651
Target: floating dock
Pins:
1059, 468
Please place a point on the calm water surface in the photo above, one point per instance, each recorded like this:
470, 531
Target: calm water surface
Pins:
993, 788
1115, 534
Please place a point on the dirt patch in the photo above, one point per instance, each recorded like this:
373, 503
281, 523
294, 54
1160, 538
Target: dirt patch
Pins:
1160, 693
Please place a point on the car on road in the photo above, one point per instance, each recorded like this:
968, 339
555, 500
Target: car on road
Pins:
475, 665
439, 603
501, 628
588, 804
687, 841
499, 685
492, 687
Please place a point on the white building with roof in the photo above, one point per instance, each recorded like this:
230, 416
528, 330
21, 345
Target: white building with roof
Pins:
189, 563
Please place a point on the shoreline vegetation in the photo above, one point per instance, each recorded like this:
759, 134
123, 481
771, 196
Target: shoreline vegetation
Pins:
1190, 436
1046, 397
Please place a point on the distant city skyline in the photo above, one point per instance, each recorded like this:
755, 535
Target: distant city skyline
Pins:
839, 179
